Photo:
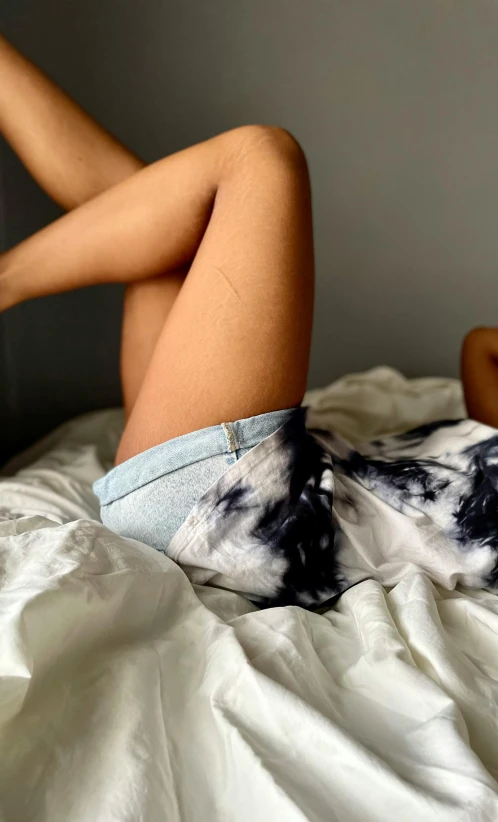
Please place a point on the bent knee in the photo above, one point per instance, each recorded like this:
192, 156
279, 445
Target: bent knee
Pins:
480, 338
275, 138
268, 144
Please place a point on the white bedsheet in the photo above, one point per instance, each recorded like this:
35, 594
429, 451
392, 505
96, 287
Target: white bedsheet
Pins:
126, 694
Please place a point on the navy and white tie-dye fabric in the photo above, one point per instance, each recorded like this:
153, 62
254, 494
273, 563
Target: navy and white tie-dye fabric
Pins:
303, 516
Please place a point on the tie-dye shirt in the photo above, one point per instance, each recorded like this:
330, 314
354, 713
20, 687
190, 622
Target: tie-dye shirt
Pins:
303, 516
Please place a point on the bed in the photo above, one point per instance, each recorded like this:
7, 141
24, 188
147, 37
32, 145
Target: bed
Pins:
127, 693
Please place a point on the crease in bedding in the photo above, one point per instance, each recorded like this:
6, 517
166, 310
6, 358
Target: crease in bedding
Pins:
128, 693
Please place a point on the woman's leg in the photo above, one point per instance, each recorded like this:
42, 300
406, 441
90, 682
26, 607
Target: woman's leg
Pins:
236, 342
73, 159
147, 304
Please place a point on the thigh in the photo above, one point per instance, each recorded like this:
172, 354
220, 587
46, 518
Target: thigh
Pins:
236, 341
146, 306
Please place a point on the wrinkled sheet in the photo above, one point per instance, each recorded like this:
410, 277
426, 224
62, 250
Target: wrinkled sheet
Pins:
126, 693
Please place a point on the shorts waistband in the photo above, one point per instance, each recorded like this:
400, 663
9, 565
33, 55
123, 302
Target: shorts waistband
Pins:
192, 447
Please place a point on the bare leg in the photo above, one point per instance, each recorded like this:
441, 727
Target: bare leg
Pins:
236, 342
147, 304
479, 371
73, 159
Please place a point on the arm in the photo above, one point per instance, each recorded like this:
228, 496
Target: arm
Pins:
479, 369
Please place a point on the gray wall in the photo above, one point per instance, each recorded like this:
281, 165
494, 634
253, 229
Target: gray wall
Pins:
396, 105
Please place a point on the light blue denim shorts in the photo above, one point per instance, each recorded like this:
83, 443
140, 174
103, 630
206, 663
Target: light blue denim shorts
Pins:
149, 496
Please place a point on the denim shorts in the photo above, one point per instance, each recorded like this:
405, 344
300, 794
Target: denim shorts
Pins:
149, 496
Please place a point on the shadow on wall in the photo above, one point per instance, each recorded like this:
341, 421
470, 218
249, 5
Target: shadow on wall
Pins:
45, 383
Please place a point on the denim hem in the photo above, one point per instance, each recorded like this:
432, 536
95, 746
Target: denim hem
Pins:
181, 451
